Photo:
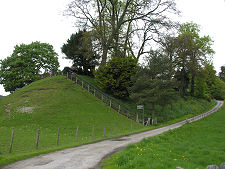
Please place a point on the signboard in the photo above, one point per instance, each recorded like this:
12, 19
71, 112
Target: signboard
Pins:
139, 107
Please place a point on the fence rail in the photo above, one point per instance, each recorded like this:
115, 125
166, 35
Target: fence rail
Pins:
113, 103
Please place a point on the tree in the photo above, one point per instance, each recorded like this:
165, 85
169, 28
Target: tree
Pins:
192, 52
115, 77
115, 23
26, 63
215, 85
218, 89
80, 50
154, 84
222, 73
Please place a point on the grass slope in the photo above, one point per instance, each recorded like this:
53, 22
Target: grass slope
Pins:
194, 145
56, 103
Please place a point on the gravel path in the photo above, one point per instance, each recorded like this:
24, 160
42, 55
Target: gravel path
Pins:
89, 156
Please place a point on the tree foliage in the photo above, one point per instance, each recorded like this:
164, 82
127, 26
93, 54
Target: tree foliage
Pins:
222, 73
80, 50
189, 53
218, 89
26, 64
115, 77
154, 84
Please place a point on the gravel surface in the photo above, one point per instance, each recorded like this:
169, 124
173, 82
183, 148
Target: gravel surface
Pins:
89, 156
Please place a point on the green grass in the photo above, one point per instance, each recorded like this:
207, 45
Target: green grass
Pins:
59, 103
194, 145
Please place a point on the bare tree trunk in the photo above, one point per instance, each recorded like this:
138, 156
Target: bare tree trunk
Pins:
104, 57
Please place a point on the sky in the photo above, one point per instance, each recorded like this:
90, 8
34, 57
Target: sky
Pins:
26, 21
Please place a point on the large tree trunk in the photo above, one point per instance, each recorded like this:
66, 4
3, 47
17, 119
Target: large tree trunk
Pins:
104, 57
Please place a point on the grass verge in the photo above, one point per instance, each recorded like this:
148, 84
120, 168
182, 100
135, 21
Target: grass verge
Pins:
194, 145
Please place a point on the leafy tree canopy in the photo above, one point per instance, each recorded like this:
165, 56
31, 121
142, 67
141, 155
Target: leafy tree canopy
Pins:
26, 63
115, 77
80, 50
154, 84
222, 73
189, 52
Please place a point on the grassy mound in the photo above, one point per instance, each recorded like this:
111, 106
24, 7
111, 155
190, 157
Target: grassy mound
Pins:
50, 104
194, 145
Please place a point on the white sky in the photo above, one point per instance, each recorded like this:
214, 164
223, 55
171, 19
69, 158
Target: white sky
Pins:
25, 21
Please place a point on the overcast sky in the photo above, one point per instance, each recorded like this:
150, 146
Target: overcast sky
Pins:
26, 21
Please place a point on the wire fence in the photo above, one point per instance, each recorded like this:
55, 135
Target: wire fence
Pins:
30, 140
113, 103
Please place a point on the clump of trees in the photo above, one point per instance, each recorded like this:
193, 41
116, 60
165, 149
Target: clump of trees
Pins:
180, 66
26, 64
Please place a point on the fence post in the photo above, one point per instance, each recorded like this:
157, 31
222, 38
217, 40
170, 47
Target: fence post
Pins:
137, 118
104, 131
11, 143
102, 97
76, 79
37, 139
58, 137
110, 103
119, 109
94, 92
93, 132
67, 74
82, 84
77, 132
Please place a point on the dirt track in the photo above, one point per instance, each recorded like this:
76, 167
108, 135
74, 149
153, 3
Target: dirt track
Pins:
89, 156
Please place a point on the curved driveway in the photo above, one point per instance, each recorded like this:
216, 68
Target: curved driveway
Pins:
89, 156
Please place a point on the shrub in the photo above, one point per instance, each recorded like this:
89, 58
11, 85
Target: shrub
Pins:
115, 77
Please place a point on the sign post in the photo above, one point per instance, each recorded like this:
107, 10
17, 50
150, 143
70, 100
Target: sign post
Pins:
141, 107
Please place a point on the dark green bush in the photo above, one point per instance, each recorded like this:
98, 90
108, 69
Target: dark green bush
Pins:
115, 77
